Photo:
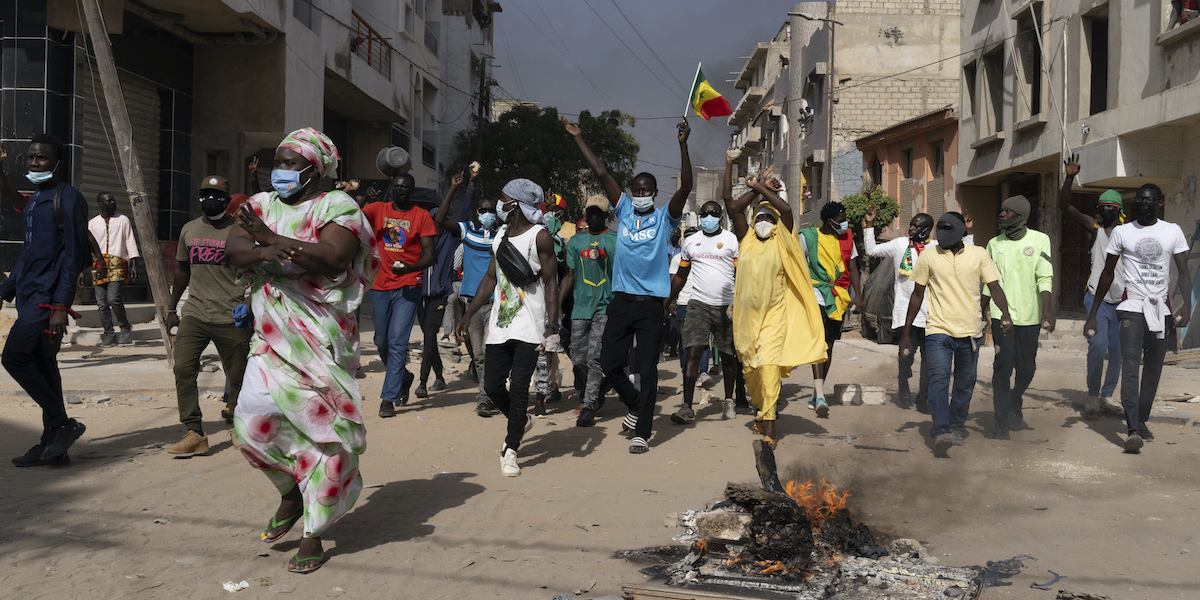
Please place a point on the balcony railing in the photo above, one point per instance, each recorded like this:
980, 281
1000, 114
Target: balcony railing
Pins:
371, 47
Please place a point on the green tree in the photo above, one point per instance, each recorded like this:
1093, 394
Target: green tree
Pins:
858, 204
530, 142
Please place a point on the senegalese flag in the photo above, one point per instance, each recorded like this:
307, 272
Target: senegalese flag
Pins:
706, 102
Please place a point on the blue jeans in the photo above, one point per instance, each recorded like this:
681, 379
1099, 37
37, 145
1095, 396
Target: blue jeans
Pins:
1106, 340
394, 314
680, 314
948, 355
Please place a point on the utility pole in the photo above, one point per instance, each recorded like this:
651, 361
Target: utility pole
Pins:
136, 186
482, 108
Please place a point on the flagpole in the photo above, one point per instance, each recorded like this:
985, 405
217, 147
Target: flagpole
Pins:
689, 100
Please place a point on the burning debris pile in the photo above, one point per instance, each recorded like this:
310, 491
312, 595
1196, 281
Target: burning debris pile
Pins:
801, 538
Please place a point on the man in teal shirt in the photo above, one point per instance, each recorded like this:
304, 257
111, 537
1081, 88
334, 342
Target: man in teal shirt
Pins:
589, 278
1022, 256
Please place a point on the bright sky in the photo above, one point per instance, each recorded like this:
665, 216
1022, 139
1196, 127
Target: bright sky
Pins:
547, 51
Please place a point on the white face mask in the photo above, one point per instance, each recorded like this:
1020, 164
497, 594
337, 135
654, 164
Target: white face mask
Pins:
39, 177
764, 229
842, 227
501, 213
643, 203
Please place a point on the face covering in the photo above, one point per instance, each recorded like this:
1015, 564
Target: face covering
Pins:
643, 204
39, 177
110, 208
1109, 215
552, 223
950, 231
503, 214
487, 220
214, 208
1015, 227
842, 228
286, 182
764, 229
710, 224
921, 236
1146, 209
597, 222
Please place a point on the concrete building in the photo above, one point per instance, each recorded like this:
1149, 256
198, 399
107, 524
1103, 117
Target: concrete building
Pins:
915, 163
211, 83
762, 126
465, 56
1112, 81
884, 63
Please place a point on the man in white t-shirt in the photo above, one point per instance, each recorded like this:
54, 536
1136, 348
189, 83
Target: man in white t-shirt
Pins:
712, 253
905, 251
1144, 250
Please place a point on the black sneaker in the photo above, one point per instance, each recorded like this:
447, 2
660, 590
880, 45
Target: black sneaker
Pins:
484, 408
1133, 444
539, 408
587, 417
1001, 434
421, 391
387, 409
922, 407
553, 396
33, 458
1018, 423
404, 387
1144, 433
63, 438
904, 398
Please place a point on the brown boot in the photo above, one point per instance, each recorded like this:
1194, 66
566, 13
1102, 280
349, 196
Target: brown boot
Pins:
192, 444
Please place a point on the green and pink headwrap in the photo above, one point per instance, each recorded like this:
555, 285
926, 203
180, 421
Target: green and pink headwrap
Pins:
314, 146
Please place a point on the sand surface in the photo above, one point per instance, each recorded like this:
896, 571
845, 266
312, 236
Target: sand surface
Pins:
437, 519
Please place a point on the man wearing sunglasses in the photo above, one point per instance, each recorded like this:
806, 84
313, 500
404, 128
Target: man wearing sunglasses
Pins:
475, 225
712, 252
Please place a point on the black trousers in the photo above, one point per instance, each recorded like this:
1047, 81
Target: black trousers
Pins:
1016, 351
514, 361
645, 320
429, 315
31, 358
917, 336
1139, 347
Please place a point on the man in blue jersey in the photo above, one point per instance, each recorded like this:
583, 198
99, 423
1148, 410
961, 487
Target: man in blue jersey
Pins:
641, 284
476, 227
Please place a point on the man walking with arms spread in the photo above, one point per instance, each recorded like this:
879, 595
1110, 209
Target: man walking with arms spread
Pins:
952, 272
115, 268
1107, 339
641, 282
208, 314
589, 278
524, 316
42, 283
1022, 257
405, 235
833, 265
1144, 250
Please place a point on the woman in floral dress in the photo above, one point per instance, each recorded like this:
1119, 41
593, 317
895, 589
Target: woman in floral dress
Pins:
308, 258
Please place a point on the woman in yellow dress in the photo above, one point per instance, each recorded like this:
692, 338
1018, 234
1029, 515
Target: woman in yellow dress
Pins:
776, 319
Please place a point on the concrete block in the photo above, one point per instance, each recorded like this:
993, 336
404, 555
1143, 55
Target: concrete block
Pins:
857, 395
723, 525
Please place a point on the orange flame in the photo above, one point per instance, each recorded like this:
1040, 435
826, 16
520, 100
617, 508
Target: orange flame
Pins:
820, 501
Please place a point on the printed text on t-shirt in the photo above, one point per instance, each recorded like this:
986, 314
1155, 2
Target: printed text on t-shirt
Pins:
203, 251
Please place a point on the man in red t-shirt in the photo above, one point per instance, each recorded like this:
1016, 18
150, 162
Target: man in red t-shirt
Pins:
405, 236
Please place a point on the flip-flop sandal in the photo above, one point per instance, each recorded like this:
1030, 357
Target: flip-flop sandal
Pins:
756, 428
294, 564
289, 522
638, 446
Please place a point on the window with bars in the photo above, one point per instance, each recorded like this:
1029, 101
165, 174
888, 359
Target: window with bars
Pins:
370, 46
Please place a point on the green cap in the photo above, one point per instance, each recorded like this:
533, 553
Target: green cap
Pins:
1111, 197
215, 182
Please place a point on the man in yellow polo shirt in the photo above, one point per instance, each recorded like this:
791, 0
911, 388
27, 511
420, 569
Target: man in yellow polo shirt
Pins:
952, 273
1022, 257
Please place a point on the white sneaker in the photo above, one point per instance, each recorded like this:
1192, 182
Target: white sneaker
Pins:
508, 463
705, 381
729, 411
528, 422
1111, 405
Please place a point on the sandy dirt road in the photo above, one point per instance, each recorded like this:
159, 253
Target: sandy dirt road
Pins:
437, 519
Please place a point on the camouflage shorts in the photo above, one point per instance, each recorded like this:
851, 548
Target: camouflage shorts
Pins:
703, 321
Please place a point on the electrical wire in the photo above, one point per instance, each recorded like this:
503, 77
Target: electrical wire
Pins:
648, 47
599, 92
639, 59
508, 50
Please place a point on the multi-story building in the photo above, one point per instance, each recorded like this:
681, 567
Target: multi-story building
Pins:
1116, 82
466, 70
762, 127
869, 65
212, 83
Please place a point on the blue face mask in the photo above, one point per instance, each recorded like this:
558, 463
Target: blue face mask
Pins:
503, 214
39, 177
643, 204
710, 224
487, 220
842, 228
286, 182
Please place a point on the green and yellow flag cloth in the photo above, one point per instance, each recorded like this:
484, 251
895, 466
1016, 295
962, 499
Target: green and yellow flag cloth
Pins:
706, 102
